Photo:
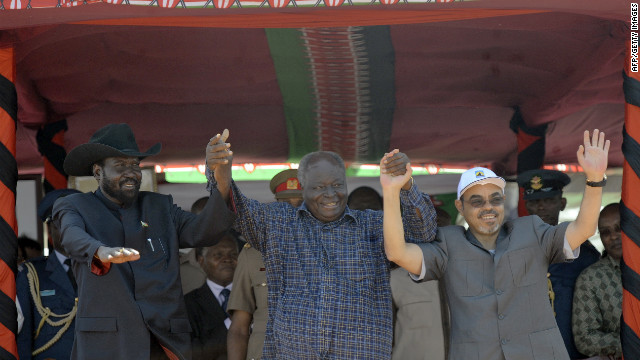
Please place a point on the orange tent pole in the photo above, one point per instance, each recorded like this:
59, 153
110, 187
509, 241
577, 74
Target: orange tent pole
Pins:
8, 223
50, 138
630, 207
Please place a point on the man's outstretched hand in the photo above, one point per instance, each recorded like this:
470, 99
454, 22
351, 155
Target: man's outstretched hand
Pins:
593, 155
117, 255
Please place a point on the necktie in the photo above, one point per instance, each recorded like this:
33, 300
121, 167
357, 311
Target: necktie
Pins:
225, 299
70, 274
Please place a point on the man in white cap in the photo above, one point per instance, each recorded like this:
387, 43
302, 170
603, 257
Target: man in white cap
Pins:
495, 273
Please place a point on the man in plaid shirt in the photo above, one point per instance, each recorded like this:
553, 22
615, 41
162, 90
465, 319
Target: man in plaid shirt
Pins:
597, 303
329, 294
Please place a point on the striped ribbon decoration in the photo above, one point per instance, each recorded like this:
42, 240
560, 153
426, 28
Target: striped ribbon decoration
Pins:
339, 69
8, 222
337, 86
531, 149
50, 139
629, 219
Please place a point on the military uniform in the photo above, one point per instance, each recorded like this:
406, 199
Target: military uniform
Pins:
54, 291
544, 184
46, 293
250, 294
418, 332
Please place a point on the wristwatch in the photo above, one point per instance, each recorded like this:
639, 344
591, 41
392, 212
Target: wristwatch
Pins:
600, 183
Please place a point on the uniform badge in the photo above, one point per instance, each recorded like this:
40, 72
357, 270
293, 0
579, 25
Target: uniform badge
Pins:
536, 183
292, 184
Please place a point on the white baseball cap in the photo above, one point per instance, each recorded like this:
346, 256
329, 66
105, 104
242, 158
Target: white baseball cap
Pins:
479, 176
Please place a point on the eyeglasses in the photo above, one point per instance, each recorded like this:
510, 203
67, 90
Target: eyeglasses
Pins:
480, 203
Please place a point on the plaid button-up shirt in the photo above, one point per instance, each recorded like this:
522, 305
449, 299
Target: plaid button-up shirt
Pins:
329, 293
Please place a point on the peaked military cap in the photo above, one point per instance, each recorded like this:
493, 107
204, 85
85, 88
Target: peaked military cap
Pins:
285, 184
541, 183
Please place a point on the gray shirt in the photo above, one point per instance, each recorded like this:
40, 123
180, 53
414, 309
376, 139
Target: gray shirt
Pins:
499, 303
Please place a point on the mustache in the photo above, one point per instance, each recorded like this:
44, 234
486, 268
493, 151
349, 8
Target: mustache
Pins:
133, 181
487, 212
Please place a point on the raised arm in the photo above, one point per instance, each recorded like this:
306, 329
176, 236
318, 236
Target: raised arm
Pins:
219, 158
406, 255
592, 156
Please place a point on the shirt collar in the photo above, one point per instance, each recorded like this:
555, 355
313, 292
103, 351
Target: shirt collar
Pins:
60, 257
615, 263
216, 289
505, 230
348, 213
110, 204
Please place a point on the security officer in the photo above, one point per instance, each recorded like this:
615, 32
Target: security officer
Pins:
543, 197
47, 294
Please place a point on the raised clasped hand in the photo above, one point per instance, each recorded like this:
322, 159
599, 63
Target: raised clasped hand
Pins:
593, 155
218, 151
395, 170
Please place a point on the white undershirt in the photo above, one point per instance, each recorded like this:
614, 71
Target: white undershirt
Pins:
216, 290
62, 258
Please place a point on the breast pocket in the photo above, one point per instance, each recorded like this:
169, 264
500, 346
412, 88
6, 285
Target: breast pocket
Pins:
472, 274
525, 270
545, 344
154, 254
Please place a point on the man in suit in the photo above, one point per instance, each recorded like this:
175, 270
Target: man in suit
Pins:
495, 273
543, 197
46, 289
124, 249
207, 305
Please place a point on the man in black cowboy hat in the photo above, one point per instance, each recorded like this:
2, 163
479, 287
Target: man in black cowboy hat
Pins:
124, 249
543, 197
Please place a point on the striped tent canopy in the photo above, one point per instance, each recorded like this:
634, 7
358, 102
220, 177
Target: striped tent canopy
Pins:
438, 80
441, 80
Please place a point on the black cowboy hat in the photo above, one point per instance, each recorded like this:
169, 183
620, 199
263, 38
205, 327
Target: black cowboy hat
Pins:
113, 140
